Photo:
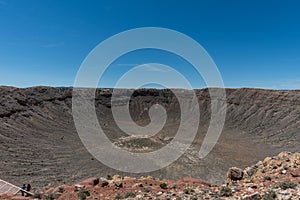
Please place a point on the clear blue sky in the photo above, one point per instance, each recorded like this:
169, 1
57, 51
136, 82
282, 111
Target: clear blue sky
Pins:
254, 43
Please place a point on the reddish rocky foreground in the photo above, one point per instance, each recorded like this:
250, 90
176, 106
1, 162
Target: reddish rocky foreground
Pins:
275, 177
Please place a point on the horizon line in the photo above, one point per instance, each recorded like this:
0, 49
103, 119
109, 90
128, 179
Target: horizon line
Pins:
128, 88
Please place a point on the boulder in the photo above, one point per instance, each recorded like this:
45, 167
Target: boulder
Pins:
90, 181
103, 183
295, 173
266, 161
235, 173
250, 171
118, 184
296, 158
117, 178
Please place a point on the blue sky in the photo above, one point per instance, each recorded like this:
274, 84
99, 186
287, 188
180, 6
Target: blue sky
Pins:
253, 43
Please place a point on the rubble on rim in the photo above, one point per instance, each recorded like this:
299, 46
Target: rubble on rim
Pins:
276, 177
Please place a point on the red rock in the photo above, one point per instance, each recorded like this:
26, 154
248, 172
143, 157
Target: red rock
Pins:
6, 196
137, 185
295, 173
103, 183
69, 187
195, 180
90, 181
50, 190
20, 198
89, 187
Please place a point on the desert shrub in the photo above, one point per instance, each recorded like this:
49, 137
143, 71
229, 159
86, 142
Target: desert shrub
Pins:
61, 190
82, 194
118, 196
163, 186
287, 185
225, 191
188, 191
130, 194
270, 195
267, 178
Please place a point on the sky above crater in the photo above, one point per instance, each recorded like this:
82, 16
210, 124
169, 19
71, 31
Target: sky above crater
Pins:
253, 43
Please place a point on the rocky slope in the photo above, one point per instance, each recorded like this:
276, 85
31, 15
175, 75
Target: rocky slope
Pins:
39, 143
276, 177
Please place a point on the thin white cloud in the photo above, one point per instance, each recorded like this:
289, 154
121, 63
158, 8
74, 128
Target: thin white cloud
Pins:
154, 68
146, 67
127, 64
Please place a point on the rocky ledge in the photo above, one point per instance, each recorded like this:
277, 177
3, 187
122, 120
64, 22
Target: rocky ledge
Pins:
275, 177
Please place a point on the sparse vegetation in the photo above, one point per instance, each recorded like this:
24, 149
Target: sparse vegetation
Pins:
287, 185
270, 195
130, 194
83, 194
163, 185
61, 190
225, 192
267, 178
188, 191
118, 196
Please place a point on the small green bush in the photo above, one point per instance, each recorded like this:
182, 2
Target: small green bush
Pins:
270, 195
225, 191
188, 191
82, 194
287, 185
163, 186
